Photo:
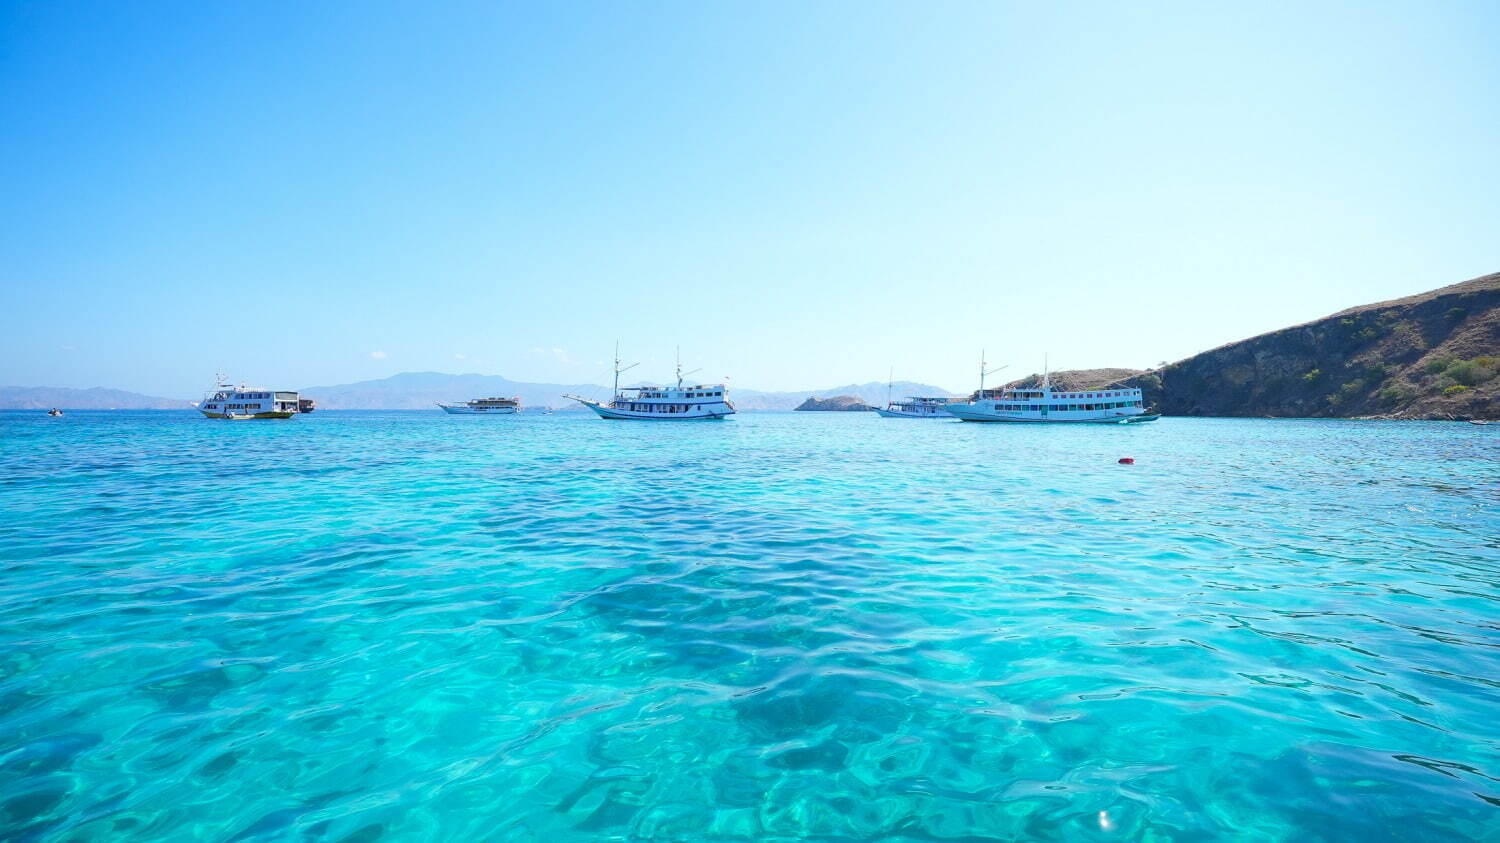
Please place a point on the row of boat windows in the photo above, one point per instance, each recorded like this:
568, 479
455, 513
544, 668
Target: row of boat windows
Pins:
1063, 408
1015, 395
658, 408
683, 394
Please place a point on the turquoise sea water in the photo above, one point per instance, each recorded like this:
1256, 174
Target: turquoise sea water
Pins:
412, 626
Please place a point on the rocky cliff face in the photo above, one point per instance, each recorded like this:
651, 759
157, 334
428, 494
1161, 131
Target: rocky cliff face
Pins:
1430, 356
837, 402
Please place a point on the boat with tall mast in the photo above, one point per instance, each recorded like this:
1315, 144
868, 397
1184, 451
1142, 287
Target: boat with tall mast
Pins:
1043, 404
699, 402
913, 407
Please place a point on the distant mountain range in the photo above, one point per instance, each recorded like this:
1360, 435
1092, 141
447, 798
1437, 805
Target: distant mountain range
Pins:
421, 390
98, 398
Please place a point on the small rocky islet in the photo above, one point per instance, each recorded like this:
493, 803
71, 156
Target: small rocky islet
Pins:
838, 403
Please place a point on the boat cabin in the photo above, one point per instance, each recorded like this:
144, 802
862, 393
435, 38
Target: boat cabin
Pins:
668, 399
244, 402
1047, 400
919, 404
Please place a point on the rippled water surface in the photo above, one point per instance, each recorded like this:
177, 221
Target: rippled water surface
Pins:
411, 626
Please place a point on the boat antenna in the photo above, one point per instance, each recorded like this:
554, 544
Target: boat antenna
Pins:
889, 384
618, 370
1046, 373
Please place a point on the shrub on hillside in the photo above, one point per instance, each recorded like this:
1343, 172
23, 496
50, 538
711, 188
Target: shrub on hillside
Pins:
1470, 372
1437, 364
1455, 389
1396, 393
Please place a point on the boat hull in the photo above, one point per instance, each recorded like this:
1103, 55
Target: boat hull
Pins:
696, 414
967, 412
897, 414
277, 414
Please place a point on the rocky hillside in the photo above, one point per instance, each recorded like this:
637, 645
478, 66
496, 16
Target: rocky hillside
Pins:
837, 403
1428, 356
1077, 379
1435, 355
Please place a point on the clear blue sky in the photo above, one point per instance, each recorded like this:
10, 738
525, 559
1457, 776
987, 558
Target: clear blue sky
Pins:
800, 195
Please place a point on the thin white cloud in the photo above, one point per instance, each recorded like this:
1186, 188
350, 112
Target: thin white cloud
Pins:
559, 354
460, 357
378, 355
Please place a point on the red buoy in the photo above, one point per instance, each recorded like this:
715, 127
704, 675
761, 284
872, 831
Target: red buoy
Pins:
1127, 460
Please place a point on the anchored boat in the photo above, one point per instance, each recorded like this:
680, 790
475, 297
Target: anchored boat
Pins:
484, 407
914, 407
1043, 404
699, 402
228, 401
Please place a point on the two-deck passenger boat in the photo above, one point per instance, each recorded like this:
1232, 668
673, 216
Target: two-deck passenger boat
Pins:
700, 402
1032, 405
484, 407
228, 401
916, 407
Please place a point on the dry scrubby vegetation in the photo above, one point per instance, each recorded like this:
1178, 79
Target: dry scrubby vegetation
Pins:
1433, 355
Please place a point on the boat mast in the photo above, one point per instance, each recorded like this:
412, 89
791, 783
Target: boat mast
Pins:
618, 370
983, 371
890, 382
